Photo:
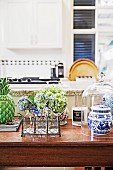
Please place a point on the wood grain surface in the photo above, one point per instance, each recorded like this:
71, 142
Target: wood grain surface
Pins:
72, 149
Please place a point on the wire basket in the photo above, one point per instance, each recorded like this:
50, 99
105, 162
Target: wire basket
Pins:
41, 125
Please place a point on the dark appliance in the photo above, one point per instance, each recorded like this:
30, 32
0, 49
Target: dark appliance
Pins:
53, 71
60, 70
33, 80
57, 71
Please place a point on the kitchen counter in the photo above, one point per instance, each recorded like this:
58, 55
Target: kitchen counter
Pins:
70, 87
19, 92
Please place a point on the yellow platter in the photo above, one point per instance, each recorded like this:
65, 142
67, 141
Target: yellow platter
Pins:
83, 67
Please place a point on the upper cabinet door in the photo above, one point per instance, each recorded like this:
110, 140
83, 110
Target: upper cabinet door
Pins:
48, 23
18, 23
34, 23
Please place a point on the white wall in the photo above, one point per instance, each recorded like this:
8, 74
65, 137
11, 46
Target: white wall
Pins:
63, 55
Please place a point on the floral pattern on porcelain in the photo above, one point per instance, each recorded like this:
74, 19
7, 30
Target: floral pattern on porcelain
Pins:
100, 120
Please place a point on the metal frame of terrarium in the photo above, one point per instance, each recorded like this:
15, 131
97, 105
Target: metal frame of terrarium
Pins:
41, 125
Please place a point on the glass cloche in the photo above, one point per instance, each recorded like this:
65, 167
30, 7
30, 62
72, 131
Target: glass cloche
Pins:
97, 104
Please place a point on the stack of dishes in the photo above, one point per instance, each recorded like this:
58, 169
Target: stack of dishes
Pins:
83, 68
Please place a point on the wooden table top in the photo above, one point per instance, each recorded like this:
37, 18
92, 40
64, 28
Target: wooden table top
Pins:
71, 149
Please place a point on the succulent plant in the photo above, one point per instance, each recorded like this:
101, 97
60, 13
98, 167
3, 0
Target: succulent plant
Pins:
7, 105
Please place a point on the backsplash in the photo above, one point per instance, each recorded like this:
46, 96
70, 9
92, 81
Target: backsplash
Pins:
29, 62
24, 68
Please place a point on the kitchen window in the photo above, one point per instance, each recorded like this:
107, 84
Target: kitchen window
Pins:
84, 46
84, 2
84, 29
84, 19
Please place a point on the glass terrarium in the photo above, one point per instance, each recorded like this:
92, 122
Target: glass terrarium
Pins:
96, 118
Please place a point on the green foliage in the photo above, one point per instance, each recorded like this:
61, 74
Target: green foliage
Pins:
4, 86
7, 105
31, 98
53, 98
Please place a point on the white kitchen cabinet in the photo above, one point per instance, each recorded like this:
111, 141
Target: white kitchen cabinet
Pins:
47, 21
34, 23
18, 25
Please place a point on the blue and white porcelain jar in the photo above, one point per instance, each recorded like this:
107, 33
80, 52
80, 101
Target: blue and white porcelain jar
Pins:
100, 119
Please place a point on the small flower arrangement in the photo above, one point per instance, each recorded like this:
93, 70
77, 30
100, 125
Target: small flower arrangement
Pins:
52, 98
43, 111
26, 103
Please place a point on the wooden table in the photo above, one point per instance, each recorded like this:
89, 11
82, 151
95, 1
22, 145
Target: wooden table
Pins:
71, 149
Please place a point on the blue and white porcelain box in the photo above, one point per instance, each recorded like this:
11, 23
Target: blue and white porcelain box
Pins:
98, 118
